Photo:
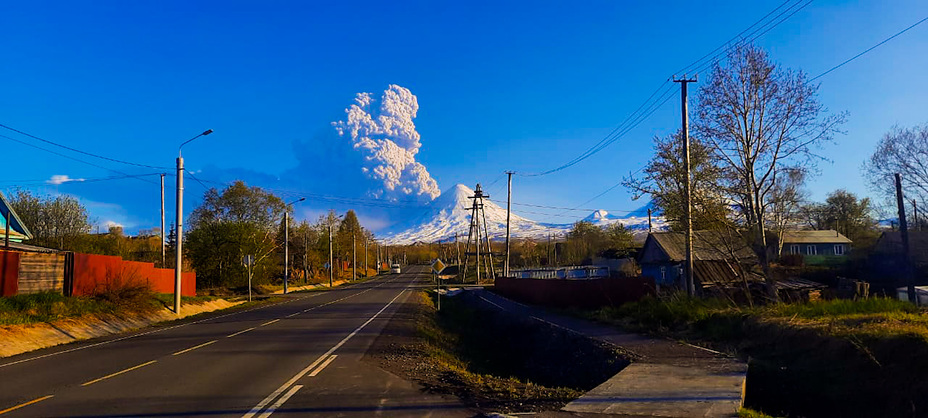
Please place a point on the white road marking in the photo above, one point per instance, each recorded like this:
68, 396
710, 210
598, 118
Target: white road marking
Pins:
322, 366
240, 332
281, 401
193, 348
492, 303
156, 331
119, 373
257, 408
269, 322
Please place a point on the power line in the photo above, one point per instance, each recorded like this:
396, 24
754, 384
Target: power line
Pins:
79, 151
869, 49
663, 92
69, 157
78, 180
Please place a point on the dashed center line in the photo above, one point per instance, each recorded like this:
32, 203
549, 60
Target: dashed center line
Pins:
193, 348
36, 400
269, 322
240, 332
119, 373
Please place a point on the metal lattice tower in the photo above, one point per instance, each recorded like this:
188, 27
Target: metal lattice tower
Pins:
482, 252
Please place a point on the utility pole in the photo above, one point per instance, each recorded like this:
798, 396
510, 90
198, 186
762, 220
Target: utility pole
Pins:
354, 257
365, 256
649, 220
508, 214
286, 250
690, 285
331, 260
917, 225
162, 222
305, 256
179, 234
904, 229
179, 231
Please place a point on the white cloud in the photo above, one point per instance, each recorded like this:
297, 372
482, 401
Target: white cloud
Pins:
388, 141
61, 178
110, 224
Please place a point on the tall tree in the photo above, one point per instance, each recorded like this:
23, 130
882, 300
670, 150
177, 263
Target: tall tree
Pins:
904, 151
228, 225
845, 213
664, 179
55, 221
761, 121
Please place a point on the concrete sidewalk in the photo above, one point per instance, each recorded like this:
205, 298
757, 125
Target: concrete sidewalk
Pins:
665, 379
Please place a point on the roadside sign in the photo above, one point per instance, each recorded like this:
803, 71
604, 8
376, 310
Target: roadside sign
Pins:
248, 260
438, 266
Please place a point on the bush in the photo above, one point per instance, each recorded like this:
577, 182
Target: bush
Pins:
124, 287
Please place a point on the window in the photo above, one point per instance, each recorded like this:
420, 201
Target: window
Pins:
794, 249
839, 249
810, 250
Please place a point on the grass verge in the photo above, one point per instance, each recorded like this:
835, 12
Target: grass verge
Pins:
488, 360
821, 358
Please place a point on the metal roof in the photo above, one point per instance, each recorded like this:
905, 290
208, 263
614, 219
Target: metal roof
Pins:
828, 236
17, 227
707, 245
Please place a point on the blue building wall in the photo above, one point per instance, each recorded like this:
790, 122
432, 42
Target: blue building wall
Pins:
819, 249
663, 274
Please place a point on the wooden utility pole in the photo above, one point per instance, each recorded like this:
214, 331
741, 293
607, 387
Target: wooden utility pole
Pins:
687, 187
354, 257
649, 220
904, 230
365, 256
508, 214
917, 225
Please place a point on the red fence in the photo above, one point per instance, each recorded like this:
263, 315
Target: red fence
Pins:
86, 274
9, 273
587, 293
93, 271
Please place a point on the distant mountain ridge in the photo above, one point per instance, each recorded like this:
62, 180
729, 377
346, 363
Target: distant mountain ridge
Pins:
449, 214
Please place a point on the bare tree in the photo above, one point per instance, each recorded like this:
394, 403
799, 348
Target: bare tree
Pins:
761, 122
785, 204
905, 151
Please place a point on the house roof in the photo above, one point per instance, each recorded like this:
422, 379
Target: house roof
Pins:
18, 230
707, 245
828, 236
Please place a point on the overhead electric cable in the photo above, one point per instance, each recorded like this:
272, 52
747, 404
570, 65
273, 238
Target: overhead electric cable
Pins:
79, 151
638, 116
69, 157
869, 49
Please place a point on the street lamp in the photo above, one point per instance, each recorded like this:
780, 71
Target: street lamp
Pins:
287, 242
179, 231
331, 257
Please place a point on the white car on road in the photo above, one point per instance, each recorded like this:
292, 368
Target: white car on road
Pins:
395, 269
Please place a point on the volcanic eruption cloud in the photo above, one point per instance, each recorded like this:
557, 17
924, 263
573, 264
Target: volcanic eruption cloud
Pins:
383, 132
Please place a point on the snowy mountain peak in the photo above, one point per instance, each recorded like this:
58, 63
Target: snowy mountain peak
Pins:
598, 216
449, 215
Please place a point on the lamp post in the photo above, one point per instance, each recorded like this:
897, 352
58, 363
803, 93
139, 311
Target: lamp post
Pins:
179, 231
287, 242
331, 257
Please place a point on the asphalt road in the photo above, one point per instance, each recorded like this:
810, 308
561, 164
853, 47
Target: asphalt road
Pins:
298, 357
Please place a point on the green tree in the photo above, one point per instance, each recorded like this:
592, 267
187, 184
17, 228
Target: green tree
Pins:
664, 178
228, 225
55, 221
844, 212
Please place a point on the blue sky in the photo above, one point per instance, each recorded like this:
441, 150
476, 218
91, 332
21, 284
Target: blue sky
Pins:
521, 86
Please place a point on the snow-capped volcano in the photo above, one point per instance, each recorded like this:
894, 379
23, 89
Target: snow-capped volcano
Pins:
449, 214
